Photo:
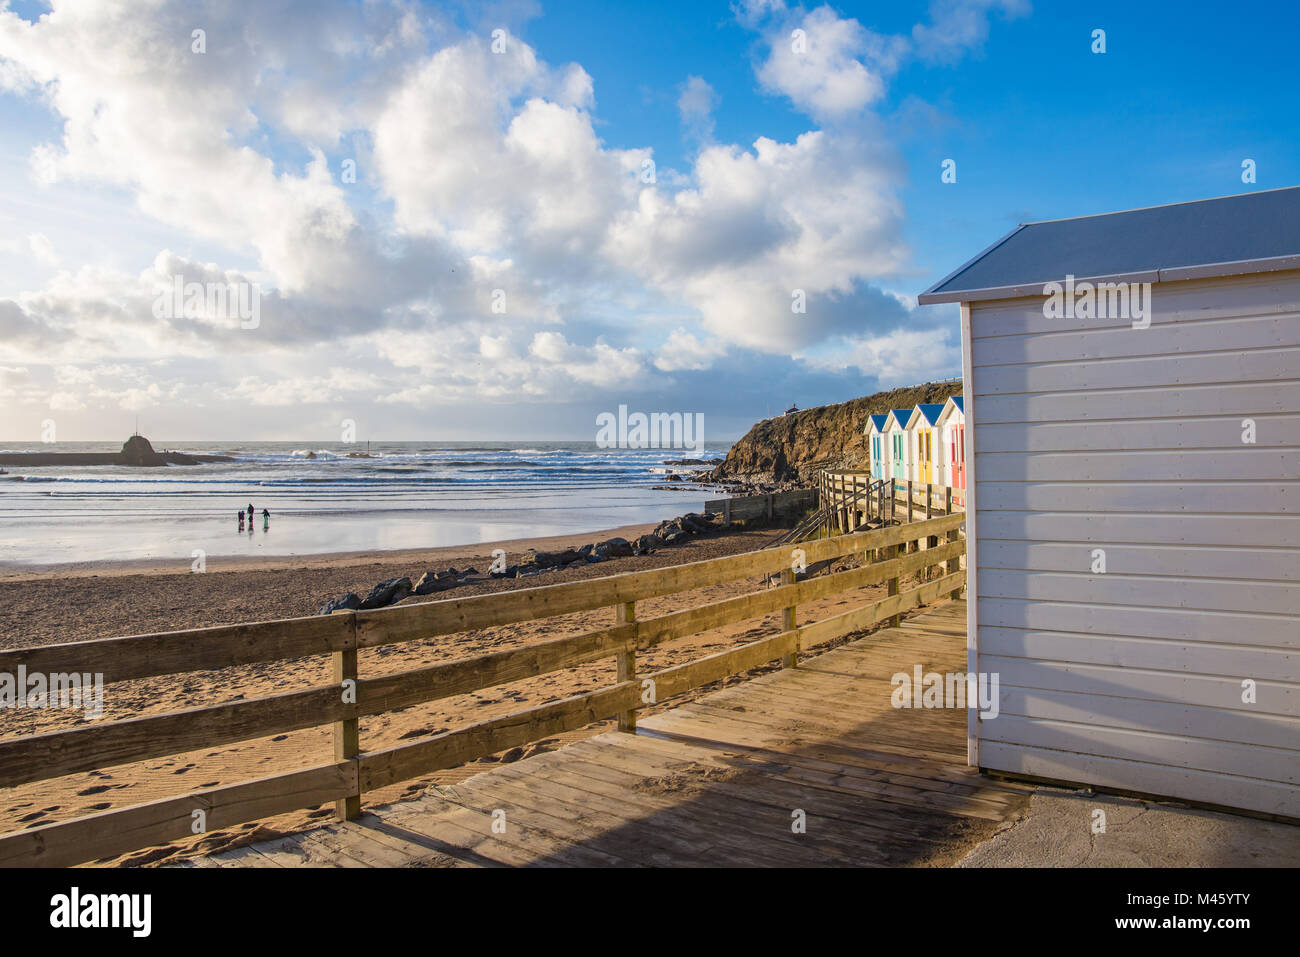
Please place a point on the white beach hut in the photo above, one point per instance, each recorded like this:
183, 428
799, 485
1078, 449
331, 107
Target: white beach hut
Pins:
875, 432
952, 445
897, 438
1133, 482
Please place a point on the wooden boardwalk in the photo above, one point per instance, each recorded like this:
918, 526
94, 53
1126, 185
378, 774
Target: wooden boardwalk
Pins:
720, 781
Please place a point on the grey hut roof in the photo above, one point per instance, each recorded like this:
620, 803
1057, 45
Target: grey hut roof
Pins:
1230, 235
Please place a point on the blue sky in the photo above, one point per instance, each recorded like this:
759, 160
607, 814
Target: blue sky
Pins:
129, 159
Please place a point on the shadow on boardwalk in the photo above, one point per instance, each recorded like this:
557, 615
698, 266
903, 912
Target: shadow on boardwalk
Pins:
722, 781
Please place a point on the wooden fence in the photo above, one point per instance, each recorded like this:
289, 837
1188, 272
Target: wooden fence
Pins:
853, 500
769, 505
890, 553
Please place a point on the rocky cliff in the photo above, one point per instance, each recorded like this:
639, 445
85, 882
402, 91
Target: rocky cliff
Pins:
790, 448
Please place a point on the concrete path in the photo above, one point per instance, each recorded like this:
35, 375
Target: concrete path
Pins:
1058, 831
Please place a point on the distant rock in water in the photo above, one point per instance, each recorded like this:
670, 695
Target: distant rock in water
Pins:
138, 451
794, 447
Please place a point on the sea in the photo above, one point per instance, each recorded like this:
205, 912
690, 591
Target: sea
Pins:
325, 498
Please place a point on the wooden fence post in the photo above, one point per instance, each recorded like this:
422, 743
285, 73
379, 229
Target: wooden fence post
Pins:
893, 583
347, 733
953, 564
842, 518
788, 622
907, 519
932, 541
627, 665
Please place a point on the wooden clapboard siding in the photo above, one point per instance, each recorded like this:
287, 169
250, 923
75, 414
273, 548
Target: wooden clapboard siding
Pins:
1253, 295
1179, 719
1229, 399
1184, 433
1226, 498
1192, 561
1191, 527
1264, 795
1229, 462
1238, 651
1222, 593
1120, 683
1121, 341
1093, 434
1277, 631
37, 757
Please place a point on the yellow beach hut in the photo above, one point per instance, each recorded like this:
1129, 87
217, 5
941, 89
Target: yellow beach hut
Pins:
923, 435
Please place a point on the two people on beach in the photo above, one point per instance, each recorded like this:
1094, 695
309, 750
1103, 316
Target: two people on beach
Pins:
266, 518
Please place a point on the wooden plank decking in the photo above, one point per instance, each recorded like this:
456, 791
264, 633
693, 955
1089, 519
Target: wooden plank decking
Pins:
716, 782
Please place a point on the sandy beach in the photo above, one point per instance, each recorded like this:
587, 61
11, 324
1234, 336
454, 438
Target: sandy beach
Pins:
113, 599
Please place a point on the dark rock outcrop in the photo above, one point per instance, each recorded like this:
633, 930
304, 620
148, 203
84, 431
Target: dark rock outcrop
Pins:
431, 582
616, 548
550, 559
386, 593
349, 602
648, 543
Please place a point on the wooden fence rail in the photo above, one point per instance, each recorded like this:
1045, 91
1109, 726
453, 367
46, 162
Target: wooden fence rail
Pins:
767, 505
354, 771
854, 499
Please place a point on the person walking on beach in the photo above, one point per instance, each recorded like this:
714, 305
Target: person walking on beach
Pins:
266, 519
241, 520
250, 514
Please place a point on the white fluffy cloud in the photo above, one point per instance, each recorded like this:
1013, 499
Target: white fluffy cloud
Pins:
828, 65
696, 104
490, 233
833, 68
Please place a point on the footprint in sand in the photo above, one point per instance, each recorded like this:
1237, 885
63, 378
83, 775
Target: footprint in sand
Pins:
183, 770
99, 807
96, 789
421, 733
280, 737
31, 817
210, 784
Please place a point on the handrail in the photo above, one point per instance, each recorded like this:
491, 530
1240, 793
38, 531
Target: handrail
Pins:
38, 757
